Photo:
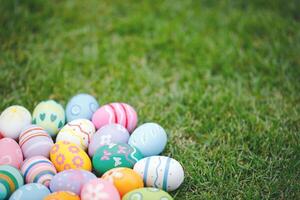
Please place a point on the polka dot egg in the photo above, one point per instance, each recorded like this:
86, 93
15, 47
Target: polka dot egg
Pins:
78, 131
35, 141
65, 155
50, 115
32, 191
38, 169
10, 180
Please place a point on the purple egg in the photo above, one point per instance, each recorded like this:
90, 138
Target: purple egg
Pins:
108, 134
71, 180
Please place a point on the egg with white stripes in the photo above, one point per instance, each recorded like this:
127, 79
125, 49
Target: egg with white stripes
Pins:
118, 113
35, 141
78, 131
160, 172
38, 169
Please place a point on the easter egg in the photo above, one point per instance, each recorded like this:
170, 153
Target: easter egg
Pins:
71, 180
38, 169
65, 155
118, 113
62, 196
35, 141
160, 172
124, 179
81, 106
78, 131
147, 194
12, 120
50, 115
149, 138
99, 188
10, 180
10, 153
108, 134
32, 191
115, 155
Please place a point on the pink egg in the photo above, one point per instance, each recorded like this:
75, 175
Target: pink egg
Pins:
10, 153
118, 113
99, 189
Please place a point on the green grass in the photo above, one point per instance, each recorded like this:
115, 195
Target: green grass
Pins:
223, 78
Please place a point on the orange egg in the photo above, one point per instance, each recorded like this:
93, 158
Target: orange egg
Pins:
62, 196
124, 179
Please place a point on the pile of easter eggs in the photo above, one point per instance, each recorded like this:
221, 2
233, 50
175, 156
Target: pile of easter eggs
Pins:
83, 152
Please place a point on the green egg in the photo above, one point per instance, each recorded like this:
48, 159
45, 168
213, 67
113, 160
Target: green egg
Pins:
115, 155
147, 194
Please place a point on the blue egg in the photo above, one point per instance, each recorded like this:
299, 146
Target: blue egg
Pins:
32, 191
81, 106
149, 138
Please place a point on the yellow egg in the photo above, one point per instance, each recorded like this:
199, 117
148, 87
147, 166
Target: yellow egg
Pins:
62, 196
65, 155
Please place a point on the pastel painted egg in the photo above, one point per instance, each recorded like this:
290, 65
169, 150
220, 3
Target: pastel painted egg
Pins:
118, 113
147, 194
12, 120
65, 155
149, 138
62, 196
71, 180
81, 106
160, 172
10, 180
32, 191
50, 115
108, 134
78, 131
38, 169
35, 141
124, 179
99, 189
10, 153
115, 155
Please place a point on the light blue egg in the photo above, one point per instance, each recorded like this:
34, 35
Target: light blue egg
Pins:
149, 138
81, 106
32, 191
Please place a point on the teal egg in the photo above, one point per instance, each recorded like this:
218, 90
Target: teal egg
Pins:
50, 115
32, 191
147, 194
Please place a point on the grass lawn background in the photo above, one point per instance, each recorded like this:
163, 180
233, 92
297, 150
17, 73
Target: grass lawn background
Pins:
223, 78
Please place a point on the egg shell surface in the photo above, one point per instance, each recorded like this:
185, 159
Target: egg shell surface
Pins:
147, 194
99, 189
78, 131
160, 172
118, 113
81, 106
62, 196
149, 138
115, 155
10, 153
108, 134
10, 180
65, 155
32, 191
12, 120
50, 115
38, 169
124, 179
71, 180
35, 141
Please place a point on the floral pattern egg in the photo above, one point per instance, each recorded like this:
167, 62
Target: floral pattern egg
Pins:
78, 131
50, 115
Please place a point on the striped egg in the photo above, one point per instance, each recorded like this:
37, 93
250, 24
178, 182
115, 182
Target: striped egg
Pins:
35, 141
38, 169
118, 113
160, 172
78, 131
10, 180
